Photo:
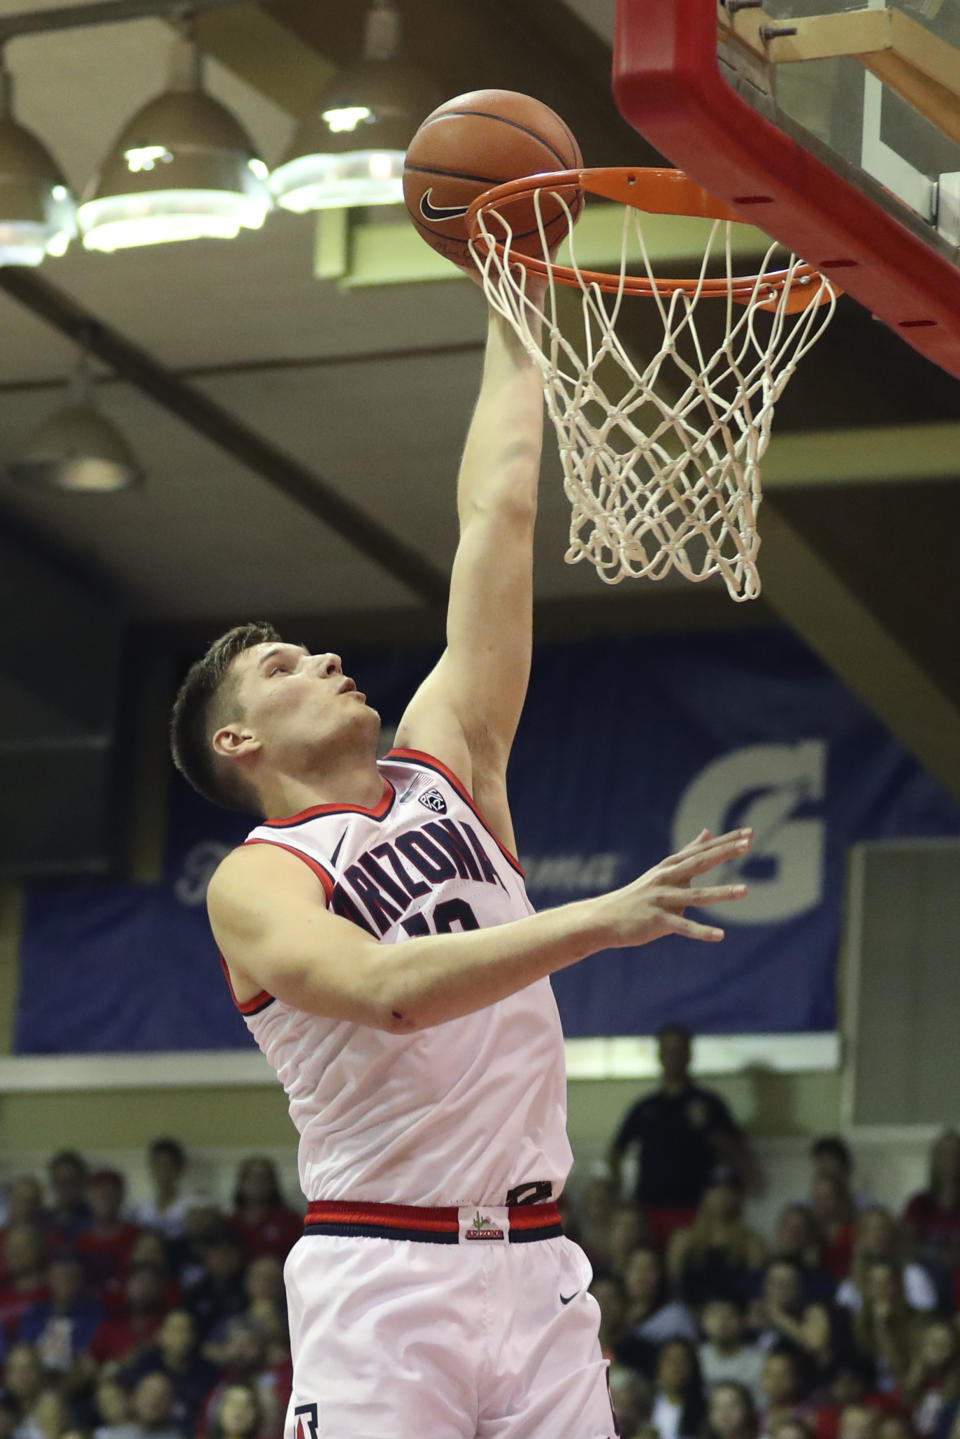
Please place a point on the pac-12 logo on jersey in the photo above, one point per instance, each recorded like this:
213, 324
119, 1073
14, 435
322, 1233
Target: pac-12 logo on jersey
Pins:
308, 1423
434, 800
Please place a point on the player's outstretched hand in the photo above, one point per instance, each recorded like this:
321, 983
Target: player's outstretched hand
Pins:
654, 904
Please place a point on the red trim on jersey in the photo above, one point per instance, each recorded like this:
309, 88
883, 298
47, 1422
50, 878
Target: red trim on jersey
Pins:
247, 1006
323, 875
416, 756
381, 808
443, 1220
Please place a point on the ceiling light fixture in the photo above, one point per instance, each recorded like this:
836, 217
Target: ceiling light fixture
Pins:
349, 150
77, 448
37, 212
182, 169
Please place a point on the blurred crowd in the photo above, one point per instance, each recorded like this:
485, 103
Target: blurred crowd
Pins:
166, 1319
840, 1324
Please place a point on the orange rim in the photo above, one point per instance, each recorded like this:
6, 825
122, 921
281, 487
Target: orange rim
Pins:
655, 191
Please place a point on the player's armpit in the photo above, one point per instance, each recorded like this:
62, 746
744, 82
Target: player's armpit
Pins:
269, 917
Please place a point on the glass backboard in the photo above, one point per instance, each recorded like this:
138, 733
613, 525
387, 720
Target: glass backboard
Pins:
834, 126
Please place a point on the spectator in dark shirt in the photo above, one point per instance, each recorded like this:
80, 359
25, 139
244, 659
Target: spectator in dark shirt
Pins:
175, 1354
69, 1213
239, 1414
683, 1136
718, 1256
219, 1293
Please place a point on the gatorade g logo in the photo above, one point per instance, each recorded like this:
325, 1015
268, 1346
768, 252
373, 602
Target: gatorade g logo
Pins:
430, 211
778, 790
307, 1422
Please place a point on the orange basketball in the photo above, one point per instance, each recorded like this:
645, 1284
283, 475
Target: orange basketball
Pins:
477, 140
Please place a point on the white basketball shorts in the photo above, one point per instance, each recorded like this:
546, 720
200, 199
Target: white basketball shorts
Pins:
477, 1327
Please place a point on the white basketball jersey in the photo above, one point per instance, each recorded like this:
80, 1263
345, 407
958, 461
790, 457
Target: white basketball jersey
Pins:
461, 1113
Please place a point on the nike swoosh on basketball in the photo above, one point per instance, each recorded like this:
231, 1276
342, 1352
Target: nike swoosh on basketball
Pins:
565, 1298
430, 211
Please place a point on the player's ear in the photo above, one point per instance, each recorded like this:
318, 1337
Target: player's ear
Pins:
234, 741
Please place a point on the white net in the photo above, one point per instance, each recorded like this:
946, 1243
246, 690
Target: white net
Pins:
661, 455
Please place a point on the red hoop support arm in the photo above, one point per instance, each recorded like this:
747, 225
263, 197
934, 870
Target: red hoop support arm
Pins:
668, 85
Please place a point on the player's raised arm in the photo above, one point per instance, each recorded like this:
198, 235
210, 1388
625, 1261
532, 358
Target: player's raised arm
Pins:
276, 934
467, 710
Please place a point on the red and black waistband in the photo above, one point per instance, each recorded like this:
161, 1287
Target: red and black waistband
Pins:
527, 1222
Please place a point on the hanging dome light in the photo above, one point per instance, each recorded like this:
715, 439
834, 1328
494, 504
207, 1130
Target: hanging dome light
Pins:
349, 150
77, 448
37, 213
182, 169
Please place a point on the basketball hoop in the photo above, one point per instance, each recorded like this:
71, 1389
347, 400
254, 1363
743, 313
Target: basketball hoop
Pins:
661, 457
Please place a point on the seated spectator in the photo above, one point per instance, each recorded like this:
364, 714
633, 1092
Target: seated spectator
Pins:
651, 1314
218, 1294
783, 1389
792, 1428
835, 1214
597, 1201
894, 1424
726, 1357
25, 1202
261, 1216
678, 1402
267, 1304
932, 1383
62, 1327
243, 1359
879, 1237
239, 1414
775, 1316
152, 1413
857, 1421
626, 1233
167, 1208
112, 1407
617, 1343
151, 1248
685, 1137
932, 1217
886, 1327
69, 1213
134, 1327
106, 1244
826, 1339
24, 1276
175, 1354
731, 1412
630, 1397
832, 1159
797, 1237
25, 1382
718, 1256
852, 1384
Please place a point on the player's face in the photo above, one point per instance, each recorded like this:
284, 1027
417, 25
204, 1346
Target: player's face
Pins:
290, 696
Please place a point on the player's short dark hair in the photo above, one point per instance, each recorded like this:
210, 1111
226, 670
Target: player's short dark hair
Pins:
201, 707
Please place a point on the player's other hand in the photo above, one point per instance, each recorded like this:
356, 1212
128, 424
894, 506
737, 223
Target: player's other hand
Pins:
655, 904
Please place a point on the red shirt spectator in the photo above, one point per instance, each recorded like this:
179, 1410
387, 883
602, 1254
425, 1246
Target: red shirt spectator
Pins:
137, 1325
265, 1222
105, 1247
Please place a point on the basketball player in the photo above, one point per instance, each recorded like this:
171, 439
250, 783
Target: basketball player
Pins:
433, 1295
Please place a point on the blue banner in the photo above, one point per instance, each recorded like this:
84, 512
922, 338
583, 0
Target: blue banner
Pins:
626, 750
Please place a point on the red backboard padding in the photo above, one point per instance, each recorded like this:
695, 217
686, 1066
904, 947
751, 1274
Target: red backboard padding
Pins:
668, 85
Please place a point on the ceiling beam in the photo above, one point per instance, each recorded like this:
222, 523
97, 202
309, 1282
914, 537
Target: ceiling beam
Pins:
821, 607
300, 484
